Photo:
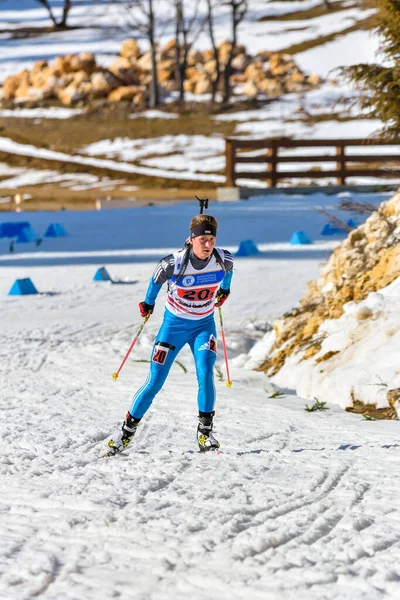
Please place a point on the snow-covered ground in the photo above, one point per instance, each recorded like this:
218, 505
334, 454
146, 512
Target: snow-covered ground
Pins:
297, 506
184, 157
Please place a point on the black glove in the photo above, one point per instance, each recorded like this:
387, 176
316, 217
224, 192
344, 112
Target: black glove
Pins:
145, 309
222, 295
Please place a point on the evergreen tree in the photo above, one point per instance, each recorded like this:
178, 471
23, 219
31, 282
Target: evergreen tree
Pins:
380, 84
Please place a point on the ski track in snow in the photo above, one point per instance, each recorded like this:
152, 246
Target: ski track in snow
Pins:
296, 505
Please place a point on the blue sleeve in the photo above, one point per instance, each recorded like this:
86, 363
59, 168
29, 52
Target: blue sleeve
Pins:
152, 292
226, 282
162, 273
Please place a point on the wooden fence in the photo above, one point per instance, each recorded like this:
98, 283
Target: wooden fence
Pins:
242, 151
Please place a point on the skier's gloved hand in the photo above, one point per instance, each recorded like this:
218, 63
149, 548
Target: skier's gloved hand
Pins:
222, 295
145, 309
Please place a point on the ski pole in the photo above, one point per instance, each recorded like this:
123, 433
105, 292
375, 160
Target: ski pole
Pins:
228, 381
115, 375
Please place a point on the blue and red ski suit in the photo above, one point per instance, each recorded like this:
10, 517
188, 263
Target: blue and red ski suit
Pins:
188, 319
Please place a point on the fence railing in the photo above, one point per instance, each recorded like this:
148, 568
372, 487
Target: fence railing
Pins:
360, 162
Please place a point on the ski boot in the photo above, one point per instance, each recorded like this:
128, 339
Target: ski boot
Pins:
121, 440
205, 437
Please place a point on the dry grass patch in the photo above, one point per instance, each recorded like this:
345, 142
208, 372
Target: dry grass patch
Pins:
107, 122
364, 24
48, 197
310, 13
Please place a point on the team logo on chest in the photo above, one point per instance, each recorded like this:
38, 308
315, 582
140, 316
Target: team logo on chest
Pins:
188, 280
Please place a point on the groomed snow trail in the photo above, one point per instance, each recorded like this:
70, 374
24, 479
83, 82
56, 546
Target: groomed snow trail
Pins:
298, 505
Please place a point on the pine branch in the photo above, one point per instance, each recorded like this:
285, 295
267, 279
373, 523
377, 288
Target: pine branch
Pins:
316, 406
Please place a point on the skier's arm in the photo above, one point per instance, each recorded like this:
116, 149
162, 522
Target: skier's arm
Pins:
225, 287
163, 271
228, 262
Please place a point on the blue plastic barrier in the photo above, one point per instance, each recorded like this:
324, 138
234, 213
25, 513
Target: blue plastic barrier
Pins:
55, 230
27, 234
300, 237
330, 229
247, 248
102, 275
10, 230
22, 287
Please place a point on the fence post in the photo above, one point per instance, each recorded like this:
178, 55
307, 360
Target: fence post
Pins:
341, 165
272, 153
230, 177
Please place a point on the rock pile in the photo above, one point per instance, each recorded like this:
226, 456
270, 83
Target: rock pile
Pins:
73, 79
367, 261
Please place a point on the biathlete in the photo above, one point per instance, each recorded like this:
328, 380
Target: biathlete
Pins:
199, 279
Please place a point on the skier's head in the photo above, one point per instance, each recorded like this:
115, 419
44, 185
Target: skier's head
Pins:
203, 232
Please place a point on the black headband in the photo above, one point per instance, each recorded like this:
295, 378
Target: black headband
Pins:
203, 229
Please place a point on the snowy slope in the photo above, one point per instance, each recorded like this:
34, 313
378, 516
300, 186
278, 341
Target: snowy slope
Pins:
101, 28
298, 506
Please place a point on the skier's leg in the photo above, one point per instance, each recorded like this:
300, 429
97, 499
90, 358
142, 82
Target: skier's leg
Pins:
170, 339
204, 348
162, 357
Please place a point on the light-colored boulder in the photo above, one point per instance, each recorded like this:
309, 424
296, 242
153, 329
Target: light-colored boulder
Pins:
86, 89
125, 72
203, 86
240, 62
166, 65
12, 83
70, 95
127, 92
140, 98
168, 51
207, 55
225, 48
39, 66
85, 61
22, 91
194, 57
263, 56
238, 78
297, 77
170, 85
314, 80
189, 85
103, 82
146, 79
280, 64
250, 89
254, 72
80, 77
130, 49
120, 64
271, 88
39, 77
164, 75
144, 62
293, 87
193, 74
210, 66
64, 80
61, 65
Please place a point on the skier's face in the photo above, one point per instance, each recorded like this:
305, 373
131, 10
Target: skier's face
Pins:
203, 245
